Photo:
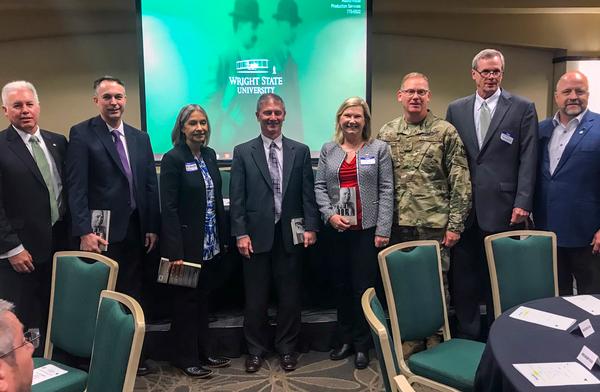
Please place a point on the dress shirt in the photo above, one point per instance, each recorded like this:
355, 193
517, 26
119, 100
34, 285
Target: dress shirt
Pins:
56, 181
267, 144
491, 102
560, 138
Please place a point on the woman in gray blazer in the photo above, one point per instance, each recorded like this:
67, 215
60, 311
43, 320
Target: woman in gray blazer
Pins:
354, 191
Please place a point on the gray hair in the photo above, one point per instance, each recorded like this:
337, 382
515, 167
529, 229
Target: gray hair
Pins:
348, 103
269, 97
6, 334
18, 85
177, 135
413, 75
487, 54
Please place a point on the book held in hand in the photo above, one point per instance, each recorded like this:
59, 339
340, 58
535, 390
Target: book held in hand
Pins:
297, 230
185, 275
100, 225
346, 206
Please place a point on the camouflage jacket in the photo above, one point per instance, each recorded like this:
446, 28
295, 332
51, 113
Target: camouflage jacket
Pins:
432, 186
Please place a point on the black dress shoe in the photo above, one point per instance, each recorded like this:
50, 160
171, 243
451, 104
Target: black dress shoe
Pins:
253, 363
343, 352
196, 371
288, 362
145, 369
216, 362
361, 360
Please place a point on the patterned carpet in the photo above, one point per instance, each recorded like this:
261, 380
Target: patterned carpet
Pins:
315, 373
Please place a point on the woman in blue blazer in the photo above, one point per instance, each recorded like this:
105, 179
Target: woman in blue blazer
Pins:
354, 191
194, 229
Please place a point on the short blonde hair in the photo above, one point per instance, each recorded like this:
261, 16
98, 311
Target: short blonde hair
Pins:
338, 137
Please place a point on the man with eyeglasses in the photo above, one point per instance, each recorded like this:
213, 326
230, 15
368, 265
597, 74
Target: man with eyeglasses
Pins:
499, 131
16, 349
567, 199
432, 184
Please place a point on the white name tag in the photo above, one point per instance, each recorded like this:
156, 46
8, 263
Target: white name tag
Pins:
505, 137
368, 160
191, 167
587, 357
586, 328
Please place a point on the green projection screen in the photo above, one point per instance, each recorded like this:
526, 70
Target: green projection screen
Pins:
223, 54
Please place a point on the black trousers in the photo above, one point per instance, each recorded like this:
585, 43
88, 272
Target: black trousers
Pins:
189, 325
30, 292
581, 264
354, 268
284, 270
129, 253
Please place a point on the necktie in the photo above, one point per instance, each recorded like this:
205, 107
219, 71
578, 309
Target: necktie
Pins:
275, 179
42, 164
485, 117
125, 163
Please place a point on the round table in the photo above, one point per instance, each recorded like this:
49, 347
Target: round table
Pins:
513, 341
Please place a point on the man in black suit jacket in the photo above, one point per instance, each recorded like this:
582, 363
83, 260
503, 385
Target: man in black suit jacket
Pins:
265, 197
499, 131
110, 166
32, 205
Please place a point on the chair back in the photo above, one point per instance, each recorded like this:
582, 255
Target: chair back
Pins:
74, 297
412, 279
384, 345
225, 179
117, 343
522, 265
402, 384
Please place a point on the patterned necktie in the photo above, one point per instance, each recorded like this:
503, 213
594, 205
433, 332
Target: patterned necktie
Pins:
485, 117
275, 179
43, 165
125, 163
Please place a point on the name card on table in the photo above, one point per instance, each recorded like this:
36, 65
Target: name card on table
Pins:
540, 317
554, 374
584, 328
588, 358
589, 303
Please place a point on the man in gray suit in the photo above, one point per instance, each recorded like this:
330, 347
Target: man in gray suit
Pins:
271, 184
499, 131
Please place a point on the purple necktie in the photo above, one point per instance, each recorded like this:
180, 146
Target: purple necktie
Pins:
123, 157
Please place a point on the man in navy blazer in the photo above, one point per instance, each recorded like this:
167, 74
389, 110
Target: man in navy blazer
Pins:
32, 205
567, 199
499, 131
110, 166
261, 222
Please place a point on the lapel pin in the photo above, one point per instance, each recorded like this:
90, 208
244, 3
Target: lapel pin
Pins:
54, 144
581, 132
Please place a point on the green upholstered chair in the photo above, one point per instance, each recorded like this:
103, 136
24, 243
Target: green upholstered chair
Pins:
522, 265
412, 277
375, 316
402, 384
74, 298
225, 179
117, 343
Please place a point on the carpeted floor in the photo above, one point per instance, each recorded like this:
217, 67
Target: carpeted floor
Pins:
315, 373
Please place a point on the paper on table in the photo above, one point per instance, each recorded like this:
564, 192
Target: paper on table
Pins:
542, 318
588, 303
556, 374
46, 372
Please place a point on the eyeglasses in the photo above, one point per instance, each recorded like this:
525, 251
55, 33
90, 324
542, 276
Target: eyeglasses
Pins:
32, 336
410, 92
486, 73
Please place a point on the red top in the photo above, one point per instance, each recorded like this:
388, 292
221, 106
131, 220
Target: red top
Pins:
349, 179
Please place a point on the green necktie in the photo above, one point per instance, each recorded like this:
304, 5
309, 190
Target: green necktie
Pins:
42, 163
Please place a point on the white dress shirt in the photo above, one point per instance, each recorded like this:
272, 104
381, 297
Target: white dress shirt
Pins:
491, 102
560, 138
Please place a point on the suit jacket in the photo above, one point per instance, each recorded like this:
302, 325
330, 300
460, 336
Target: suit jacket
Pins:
96, 179
24, 199
375, 184
251, 193
567, 202
183, 201
503, 171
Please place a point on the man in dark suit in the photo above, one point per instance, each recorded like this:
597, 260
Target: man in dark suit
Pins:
32, 205
567, 199
271, 183
110, 166
499, 131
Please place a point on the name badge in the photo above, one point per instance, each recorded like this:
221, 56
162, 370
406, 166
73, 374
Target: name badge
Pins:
506, 137
367, 160
191, 167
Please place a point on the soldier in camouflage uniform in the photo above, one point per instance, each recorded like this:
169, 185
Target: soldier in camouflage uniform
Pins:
432, 187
